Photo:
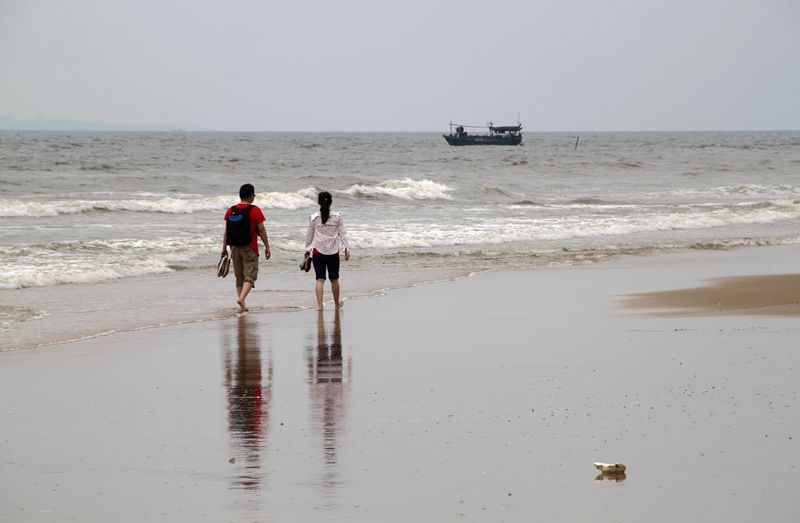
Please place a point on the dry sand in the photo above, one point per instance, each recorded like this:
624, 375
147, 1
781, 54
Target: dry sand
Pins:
485, 399
773, 294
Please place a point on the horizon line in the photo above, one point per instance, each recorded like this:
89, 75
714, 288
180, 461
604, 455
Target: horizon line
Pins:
124, 129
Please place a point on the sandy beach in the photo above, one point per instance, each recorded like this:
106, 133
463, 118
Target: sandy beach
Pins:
482, 399
771, 295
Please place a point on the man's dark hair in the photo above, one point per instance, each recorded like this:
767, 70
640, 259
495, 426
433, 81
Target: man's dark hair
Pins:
246, 191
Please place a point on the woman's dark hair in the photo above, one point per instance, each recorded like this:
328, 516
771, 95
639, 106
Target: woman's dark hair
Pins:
324, 200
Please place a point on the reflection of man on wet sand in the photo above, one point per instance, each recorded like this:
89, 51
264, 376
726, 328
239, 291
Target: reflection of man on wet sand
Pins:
327, 377
249, 396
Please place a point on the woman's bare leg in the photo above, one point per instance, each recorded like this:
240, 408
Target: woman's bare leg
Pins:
318, 289
335, 289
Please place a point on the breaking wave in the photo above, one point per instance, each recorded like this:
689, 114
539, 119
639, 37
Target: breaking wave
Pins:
771, 190
406, 189
42, 265
169, 205
76, 274
532, 229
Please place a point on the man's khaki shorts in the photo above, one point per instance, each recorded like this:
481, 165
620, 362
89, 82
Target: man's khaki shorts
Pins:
245, 264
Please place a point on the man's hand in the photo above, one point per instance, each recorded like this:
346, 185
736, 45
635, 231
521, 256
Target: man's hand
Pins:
266, 253
346, 254
224, 252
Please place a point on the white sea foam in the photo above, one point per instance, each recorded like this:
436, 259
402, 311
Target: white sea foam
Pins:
44, 277
94, 261
290, 201
741, 190
527, 229
405, 188
279, 200
98, 260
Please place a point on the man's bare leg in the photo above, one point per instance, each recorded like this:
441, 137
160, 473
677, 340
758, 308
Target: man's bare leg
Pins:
318, 289
335, 289
243, 292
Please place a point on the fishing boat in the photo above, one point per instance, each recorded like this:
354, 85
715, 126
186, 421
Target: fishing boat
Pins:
497, 135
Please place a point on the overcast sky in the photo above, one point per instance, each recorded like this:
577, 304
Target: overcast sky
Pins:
404, 65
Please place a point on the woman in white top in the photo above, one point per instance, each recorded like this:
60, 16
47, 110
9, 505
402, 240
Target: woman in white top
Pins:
326, 236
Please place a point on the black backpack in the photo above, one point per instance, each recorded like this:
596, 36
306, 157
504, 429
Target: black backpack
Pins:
238, 226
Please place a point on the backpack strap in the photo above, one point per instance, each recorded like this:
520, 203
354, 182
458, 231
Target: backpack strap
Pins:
245, 210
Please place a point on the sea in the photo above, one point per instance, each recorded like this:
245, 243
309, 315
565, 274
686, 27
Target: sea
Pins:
109, 231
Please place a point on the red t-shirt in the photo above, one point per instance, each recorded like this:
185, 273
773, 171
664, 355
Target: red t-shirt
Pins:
256, 217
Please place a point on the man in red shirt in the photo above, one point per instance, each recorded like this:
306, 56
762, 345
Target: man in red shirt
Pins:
244, 224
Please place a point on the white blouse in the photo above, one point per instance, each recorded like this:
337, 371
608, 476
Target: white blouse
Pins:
329, 237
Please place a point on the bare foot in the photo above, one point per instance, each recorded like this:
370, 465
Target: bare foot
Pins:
340, 304
242, 308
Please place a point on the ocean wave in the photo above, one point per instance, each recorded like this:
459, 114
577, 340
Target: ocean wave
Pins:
493, 190
530, 256
739, 146
76, 273
16, 208
98, 167
169, 205
290, 200
122, 246
406, 189
590, 201
571, 256
94, 261
629, 164
550, 228
773, 190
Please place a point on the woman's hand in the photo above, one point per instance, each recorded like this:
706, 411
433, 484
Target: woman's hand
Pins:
346, 254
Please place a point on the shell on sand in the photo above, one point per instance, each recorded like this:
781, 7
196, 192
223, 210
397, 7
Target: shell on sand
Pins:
610, 468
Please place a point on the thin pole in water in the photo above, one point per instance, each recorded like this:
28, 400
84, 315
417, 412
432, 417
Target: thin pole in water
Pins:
576, 142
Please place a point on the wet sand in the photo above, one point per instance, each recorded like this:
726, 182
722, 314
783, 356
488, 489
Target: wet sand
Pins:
485, 399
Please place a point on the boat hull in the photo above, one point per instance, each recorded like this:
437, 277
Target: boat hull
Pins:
483, 139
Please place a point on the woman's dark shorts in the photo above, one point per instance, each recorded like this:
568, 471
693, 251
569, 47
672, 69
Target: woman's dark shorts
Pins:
326, 261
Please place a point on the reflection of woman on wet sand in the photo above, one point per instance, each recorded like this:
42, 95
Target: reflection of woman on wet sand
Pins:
328, 367
328, 376
325, 237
